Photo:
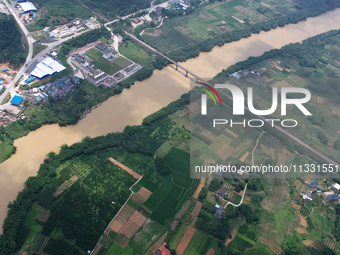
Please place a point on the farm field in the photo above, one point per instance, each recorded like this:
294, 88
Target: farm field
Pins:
135, 52
212, 20
321, 130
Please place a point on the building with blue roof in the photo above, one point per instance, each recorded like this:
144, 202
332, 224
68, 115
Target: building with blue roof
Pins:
313, 184
17, 100
331, 198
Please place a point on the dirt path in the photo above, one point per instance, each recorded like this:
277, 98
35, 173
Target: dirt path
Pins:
125, 168
253, 152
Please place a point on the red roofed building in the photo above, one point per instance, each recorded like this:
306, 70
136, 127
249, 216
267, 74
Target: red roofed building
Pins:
136, 20
163, 250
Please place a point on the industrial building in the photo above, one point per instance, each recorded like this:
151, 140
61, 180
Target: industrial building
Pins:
47, 67
17, 100
26, 7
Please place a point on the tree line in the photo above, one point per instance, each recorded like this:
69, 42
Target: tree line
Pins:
11, 46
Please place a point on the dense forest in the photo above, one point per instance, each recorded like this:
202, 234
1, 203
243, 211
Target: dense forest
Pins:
114, 8
11, 46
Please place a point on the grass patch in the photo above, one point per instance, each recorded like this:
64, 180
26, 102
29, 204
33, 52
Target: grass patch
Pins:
102, 63
6, 99
135, 53
115, 249
239, 245
179, 233
37, 49
7, 149
89, 88
148, 184
179, 163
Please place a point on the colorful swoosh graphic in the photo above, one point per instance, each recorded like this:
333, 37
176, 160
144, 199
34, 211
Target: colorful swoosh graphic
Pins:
213, 90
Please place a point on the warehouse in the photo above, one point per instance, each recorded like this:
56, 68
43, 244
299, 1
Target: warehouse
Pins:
47, 67
27, 7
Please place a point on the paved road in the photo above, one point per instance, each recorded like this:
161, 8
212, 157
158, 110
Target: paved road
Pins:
30, 40
29, 61
230, 203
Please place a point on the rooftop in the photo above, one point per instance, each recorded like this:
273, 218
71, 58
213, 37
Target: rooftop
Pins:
17, 100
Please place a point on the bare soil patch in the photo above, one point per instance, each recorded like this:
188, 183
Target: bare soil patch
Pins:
125, 168
231, 132
211, 251
116, 226
303, 221
67, 184
281, 84
244, 157
264, 4
155, 32
321, 100
273, 246
129, 229
138, 218
183, 210
189, 233
44, 214
197, 209
308, 242
174, 225
145, 193
125, 214
296, 206
199, 188
205, 17
301, 230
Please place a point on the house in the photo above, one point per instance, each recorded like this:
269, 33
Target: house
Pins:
136, 20
221, 192
118, 75
110, 82
132, 68
218, 211
163, 250
110, 53
313, 184
102, 46
74, 79
335, 187
245, 72
330, 198
158, 11
17, 100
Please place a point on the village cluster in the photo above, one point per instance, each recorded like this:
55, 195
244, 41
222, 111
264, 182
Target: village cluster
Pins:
329, 195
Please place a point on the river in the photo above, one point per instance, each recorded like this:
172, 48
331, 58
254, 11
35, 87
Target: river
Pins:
144, 98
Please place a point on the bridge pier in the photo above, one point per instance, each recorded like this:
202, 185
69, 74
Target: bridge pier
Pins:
186, 73
176, 67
